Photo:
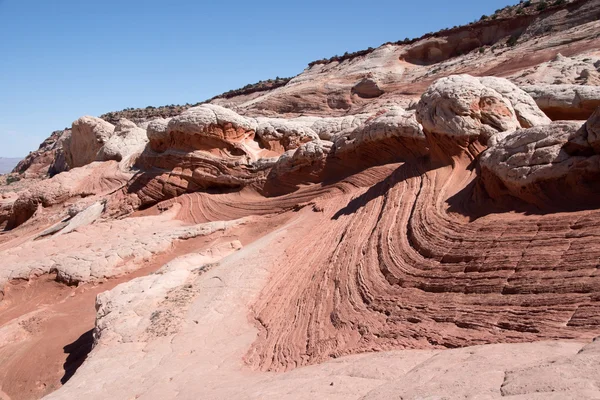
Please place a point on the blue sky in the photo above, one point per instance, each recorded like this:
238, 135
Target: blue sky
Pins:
61, 59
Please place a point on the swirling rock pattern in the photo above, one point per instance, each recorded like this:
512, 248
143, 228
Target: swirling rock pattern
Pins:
384, 200
395, 269
407, 265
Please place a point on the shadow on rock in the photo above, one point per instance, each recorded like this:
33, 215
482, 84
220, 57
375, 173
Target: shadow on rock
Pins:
77, 353
404, 172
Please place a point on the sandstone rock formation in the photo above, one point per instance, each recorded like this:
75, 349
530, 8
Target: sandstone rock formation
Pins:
384, 217
578, 69
466, 111
99, 251
205, 147
48, 159
96, 179
550, 165
526, 109
282, 135
156, 131
88, 135
566, 101
127, 139
367, 88
7, 200
306, 164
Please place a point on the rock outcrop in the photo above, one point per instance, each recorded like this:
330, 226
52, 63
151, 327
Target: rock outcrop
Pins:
127, 140
48, 160
566, 101
367, 88
527, 111
306, 164
578, 69
99, 251
93, 180
556, 165
206, 147
409, 206
88, 135
281, 135
464, 112
157, 134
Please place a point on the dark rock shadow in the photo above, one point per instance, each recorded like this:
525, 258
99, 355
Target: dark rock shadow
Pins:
474, 202
405, 171
77, 353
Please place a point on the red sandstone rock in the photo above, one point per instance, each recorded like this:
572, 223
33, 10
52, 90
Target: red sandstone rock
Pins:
453, 237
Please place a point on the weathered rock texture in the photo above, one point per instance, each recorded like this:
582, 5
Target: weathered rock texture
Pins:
127, 140
463, 112
48, 160
551, 165
206, 147
582, 70
410, 201
88, 135
98, 251
566, 101
93, 180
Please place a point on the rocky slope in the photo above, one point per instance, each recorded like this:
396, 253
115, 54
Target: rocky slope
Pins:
415, 220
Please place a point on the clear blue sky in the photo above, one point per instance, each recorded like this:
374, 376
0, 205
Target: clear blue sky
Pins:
61, 59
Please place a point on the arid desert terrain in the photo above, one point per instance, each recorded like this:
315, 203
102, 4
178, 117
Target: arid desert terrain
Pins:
419, 220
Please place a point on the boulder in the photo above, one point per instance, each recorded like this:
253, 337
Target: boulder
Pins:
83, 218
550, 166
157, 132
88, 135
566, 101
526, 109
461, 113
127, 139
211, 120
281, 135
461, 106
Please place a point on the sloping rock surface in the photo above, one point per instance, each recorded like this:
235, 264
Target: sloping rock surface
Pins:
402, 222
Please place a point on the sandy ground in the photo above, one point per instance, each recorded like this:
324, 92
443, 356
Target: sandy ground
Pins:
56, 321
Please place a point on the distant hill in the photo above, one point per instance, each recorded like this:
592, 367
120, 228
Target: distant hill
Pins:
7, 164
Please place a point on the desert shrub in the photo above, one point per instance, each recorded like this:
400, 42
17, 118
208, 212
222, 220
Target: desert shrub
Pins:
12, 179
